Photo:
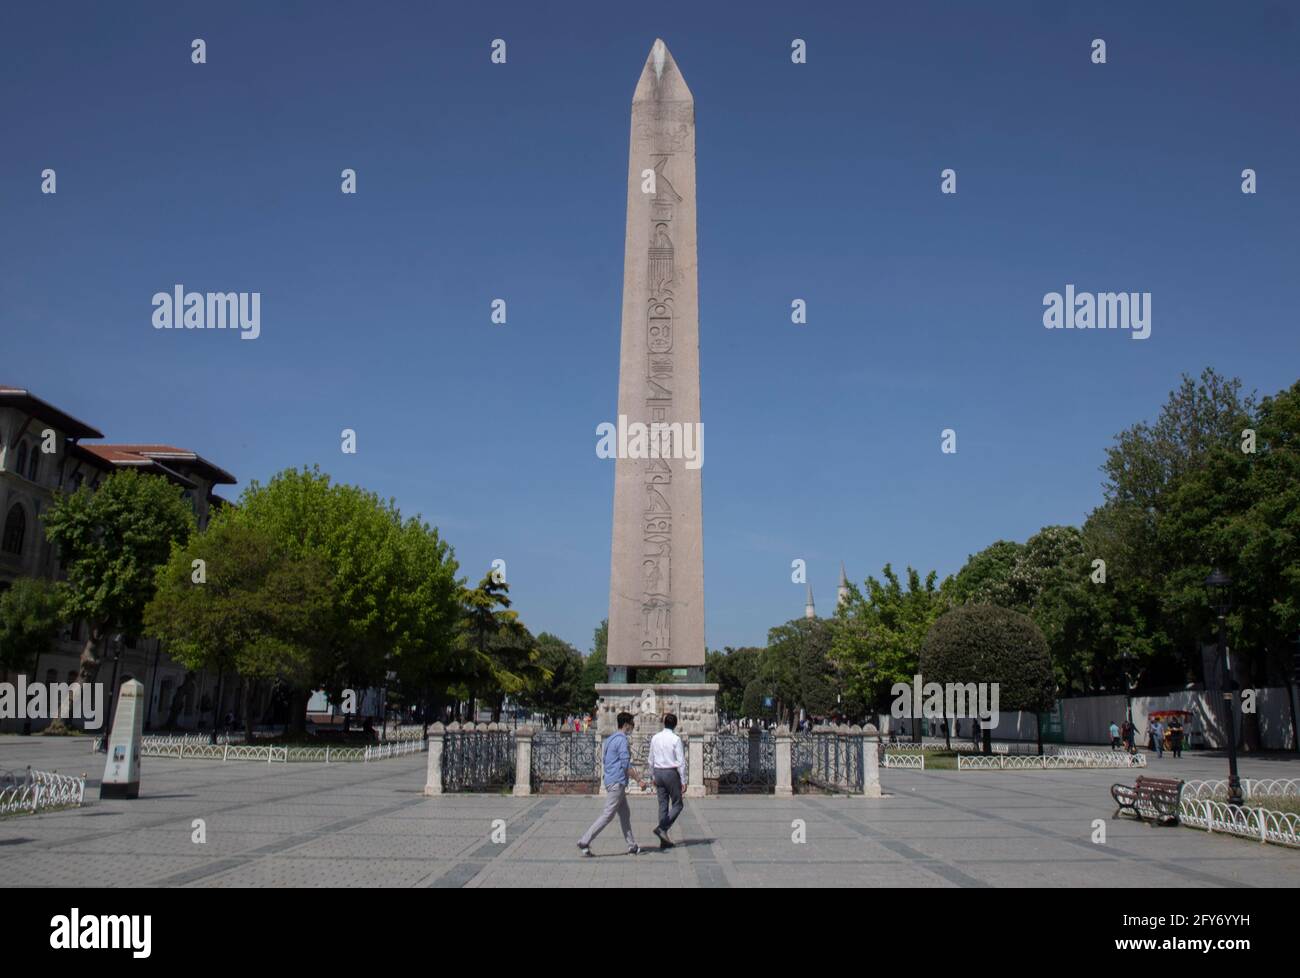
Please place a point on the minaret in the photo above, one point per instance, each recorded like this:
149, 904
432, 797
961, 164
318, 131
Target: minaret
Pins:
809, 611
844, 587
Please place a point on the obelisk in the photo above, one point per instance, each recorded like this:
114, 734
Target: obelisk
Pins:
656, 590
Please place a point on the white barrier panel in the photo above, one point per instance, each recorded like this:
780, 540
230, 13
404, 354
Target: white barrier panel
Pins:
1078, 760
42, 791
1204, 806
202, 750
916, 761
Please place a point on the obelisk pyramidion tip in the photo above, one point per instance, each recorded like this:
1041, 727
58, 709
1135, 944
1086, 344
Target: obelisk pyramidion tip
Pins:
661, 78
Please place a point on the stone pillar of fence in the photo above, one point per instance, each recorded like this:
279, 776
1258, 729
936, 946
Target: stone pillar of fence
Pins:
695, 764
523, 762
433, 779
600, 765
784, 779
870, 762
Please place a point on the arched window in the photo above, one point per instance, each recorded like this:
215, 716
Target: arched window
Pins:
33, 464
21, 465
15, 530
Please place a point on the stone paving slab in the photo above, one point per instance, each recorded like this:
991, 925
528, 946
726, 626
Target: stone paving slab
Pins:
370, 825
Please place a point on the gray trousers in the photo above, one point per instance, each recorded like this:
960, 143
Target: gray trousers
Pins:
615, 804
668, 785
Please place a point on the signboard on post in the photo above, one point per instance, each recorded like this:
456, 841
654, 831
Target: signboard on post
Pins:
1051, 724
122, 769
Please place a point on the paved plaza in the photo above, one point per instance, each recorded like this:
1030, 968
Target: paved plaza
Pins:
370, 825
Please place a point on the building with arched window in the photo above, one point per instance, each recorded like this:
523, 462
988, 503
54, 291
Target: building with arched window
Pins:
42, 451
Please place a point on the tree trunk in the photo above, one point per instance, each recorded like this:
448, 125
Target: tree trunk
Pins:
1039, 720
947, 733
88, 666
216, 707
250, 699
298, 712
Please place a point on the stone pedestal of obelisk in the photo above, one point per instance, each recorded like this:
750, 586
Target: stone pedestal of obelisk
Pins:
656, 587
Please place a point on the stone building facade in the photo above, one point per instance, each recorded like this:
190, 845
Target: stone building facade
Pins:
44, 450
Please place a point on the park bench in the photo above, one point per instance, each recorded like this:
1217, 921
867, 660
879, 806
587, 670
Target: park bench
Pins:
1153, 798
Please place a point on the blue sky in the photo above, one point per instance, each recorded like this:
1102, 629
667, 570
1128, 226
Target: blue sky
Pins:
817, 181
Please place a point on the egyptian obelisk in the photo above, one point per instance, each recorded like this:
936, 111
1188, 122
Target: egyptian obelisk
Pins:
656, 590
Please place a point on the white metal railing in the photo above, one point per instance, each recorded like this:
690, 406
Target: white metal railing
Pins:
396, 749
165, 747
41, 791
152, 742
1078, 759
1252, 788
907, 746
931, 745
1203, 805
915, 761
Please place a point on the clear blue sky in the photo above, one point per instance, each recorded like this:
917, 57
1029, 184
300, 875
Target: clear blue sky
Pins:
816, 181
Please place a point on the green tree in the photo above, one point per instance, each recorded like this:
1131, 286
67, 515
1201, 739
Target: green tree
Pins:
754, 701
395, 593
111, 543
594, 665
778, 666
429, 611
797, 669
31, 611
876, 636
987, 644
986, 576
254, 610
733, 669
564, 692
1267, 538
498, 656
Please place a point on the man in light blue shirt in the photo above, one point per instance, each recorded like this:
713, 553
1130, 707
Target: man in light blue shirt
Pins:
617, 760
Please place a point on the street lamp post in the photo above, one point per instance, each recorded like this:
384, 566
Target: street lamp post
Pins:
115, 646
1218, 584
1127, 662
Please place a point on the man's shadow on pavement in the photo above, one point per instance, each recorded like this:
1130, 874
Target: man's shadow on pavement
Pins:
656, 851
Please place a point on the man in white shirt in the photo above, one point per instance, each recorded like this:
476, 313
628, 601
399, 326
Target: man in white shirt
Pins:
668, 767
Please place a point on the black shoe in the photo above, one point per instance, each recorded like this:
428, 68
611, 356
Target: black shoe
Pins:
664, 841
585, 850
